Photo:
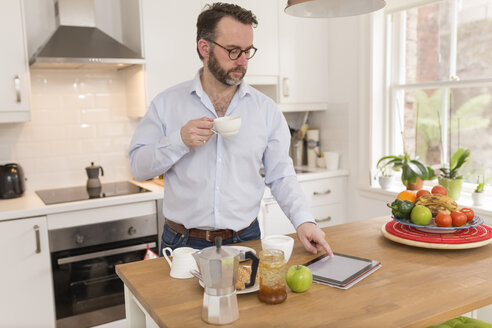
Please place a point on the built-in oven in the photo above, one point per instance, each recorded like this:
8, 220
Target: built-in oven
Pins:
87, 290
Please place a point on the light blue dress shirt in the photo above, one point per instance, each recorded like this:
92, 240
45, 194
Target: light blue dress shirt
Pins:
217, 185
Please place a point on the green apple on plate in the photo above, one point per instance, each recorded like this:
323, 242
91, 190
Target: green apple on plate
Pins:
421, 215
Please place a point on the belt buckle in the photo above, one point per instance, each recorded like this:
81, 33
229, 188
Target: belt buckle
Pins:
207, 236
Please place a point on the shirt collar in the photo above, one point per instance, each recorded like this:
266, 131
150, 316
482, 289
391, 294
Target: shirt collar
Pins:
196, 86
244, 89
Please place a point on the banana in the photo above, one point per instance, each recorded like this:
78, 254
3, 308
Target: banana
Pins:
436, 209
437, 203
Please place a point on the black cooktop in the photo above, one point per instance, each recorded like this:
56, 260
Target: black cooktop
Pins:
73, 194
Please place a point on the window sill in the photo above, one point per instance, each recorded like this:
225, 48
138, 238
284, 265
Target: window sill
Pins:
464, 201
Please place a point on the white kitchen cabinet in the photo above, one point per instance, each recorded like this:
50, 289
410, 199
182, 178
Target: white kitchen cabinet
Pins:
169, 42
326, 197
263, 67
304, 58
26, 286
272, 219
14, 66
325, 191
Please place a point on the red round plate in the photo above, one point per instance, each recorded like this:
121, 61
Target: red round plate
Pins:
471, 235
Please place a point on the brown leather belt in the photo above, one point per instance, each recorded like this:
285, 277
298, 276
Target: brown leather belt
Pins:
208, 235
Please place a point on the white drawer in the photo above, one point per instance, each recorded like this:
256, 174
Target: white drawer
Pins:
327, 215
325, 191
99, 215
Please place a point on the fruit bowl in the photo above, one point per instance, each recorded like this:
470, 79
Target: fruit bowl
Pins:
433, 228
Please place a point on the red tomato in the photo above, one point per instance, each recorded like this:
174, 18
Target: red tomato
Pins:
443, 220
458, 218
439, 190
422, 192
469, 213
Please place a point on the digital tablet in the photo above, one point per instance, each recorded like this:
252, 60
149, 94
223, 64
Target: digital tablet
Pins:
339, 270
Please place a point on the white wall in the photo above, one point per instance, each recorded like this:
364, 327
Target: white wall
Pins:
78, 117
334, 130
351, 87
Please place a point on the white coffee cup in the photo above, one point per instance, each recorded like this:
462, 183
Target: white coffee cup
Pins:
331, 160
227, 126
281, 242
183, 261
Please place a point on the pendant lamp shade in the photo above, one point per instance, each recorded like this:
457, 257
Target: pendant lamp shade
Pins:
332, 8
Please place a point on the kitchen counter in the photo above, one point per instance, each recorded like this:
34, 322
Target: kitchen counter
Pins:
305, 173
30, 205
416, 287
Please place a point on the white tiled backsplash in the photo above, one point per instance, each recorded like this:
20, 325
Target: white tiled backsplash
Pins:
78, 117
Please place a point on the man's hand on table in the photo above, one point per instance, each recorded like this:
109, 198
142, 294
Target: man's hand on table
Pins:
313, 238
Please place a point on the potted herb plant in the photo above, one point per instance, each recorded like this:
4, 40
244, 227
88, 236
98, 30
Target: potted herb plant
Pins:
478, 195
450, 177
413, 172
385, 176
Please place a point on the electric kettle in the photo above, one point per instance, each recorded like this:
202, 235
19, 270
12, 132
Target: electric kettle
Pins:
219, 265
11, 181
93, 176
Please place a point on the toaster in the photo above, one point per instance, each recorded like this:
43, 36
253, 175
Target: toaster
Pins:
11, 181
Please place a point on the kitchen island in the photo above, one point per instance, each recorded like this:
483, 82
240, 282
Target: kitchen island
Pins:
416, 287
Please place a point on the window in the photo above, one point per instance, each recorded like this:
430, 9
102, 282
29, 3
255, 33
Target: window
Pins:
440, 83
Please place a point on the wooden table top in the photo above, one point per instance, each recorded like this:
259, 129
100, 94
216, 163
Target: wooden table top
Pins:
416, 287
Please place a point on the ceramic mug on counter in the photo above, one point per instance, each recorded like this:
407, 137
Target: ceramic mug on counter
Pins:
331, 160
280, 242
182, 263
227, 126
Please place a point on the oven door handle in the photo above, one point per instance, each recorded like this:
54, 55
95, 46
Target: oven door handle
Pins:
89, 256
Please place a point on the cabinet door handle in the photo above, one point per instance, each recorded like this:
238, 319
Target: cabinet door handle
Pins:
286, 86
17, 89
38, 241
320, 193
323, 220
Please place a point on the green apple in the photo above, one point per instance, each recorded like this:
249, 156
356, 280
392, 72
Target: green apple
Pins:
299, 278
420, 215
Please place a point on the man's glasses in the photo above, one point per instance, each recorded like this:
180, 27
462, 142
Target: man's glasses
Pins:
235, 53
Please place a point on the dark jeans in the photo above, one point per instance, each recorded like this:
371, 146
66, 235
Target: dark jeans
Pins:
172, 239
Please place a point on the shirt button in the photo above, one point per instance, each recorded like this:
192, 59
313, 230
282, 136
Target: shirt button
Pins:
219, 159
217, 188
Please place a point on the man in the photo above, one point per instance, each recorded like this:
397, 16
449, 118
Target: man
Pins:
212, 184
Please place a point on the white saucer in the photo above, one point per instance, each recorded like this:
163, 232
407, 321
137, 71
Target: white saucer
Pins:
248, 290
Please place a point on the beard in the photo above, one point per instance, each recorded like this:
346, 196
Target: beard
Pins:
222, 75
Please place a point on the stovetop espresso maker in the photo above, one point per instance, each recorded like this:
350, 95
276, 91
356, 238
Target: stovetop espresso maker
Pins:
93, 176
219, 265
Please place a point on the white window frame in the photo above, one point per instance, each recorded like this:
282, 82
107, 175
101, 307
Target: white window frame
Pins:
395, 68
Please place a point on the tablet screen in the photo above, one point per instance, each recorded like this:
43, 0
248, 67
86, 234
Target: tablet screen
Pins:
340, 270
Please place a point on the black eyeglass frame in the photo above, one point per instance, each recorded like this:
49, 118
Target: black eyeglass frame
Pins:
245, 51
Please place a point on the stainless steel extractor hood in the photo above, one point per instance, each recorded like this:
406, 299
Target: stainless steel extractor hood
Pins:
78, 43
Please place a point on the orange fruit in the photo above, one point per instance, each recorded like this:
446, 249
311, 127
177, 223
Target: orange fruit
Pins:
407, 195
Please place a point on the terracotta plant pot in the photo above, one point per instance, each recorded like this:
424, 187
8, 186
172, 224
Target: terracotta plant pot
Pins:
453, 186
415, 186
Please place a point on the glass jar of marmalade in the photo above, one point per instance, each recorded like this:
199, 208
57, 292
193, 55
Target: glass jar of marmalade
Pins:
272, 276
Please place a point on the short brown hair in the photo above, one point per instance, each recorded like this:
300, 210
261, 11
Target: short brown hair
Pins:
211, 15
